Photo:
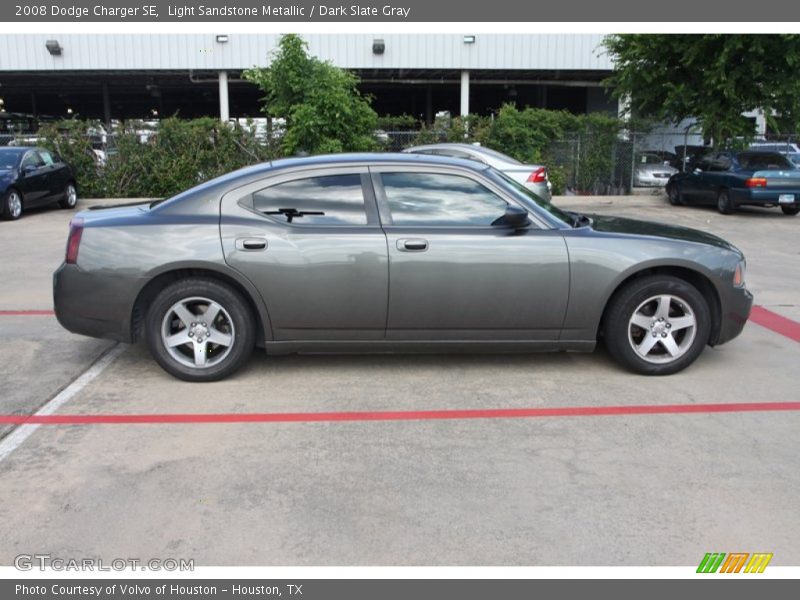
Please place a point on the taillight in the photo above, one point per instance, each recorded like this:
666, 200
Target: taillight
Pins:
538, 176
74, 240
756, 182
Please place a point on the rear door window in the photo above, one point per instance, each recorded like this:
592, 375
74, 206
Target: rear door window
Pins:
319, 201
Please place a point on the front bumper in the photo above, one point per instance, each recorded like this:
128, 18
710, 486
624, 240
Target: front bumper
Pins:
648, 180
736, 306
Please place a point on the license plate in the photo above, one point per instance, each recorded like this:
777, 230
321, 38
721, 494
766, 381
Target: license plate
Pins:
786, 199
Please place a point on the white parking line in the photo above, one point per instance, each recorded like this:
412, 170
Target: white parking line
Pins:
21, 433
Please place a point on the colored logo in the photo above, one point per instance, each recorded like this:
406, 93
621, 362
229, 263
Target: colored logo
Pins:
735, 562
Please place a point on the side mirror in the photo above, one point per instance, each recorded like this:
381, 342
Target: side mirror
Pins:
27, 169
514, 217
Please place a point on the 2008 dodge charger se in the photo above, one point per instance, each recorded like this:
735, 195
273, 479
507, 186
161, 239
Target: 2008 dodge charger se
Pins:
391, 253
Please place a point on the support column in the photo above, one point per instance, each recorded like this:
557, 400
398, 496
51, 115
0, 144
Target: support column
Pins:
464, 93
224, 110
429, 105
106, 104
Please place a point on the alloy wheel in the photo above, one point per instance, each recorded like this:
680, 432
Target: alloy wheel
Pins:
14, 201
662, 329
198, 332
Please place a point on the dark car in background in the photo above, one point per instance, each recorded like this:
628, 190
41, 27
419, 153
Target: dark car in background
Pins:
31, 177
687, 156
731, 179
391, 253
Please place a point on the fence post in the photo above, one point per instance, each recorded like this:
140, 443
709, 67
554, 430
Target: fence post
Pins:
633, 160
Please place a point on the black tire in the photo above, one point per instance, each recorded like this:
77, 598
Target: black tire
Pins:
636, 300
234, 320
724, 203
674, 195
70, 199
10, 210
791, 210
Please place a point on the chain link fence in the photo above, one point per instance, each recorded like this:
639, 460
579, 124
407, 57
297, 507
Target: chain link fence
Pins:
578, 164
593, 165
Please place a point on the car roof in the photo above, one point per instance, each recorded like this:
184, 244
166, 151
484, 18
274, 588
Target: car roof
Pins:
16, 149
254, 172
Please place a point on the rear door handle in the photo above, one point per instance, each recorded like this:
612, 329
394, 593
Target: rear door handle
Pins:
251, 244
412, 245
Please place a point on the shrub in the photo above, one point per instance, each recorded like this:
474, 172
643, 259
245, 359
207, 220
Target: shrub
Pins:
154, 163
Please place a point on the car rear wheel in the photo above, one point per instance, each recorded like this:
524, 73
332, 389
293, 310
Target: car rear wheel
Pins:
200, 330
790, 210
12, 205
657, 325
70, 199
674, 194
724, 204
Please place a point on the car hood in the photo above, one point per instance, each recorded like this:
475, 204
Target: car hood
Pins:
647, 228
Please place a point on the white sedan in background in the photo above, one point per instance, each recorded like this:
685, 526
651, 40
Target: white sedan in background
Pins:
533, 177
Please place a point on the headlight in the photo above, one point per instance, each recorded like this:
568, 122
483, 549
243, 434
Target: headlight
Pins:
738, 275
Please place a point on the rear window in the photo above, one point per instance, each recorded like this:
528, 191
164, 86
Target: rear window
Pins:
763, 161
8, 160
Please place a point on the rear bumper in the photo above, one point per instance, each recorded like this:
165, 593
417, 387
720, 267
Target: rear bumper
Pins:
88, 305
762, 196
736, 308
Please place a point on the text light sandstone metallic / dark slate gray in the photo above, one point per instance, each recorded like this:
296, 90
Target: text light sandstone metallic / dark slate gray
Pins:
391, 253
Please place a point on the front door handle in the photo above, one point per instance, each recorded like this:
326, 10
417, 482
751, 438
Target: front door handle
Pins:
412, 245
251, 244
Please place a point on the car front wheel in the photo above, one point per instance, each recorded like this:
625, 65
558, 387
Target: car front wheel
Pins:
200, 330
674, 195
657, 325
12, 205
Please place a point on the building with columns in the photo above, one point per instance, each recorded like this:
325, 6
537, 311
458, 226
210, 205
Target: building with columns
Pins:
124, 76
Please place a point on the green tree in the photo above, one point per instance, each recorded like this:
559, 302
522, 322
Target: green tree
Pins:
320, 104
713, 78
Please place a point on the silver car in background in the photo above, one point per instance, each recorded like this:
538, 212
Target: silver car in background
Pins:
650, 170
533, 177
391, 253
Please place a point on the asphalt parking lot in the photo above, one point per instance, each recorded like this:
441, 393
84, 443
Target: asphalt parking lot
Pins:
625, 489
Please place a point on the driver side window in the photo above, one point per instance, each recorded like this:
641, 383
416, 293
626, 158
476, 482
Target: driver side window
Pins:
32, 159
437, 199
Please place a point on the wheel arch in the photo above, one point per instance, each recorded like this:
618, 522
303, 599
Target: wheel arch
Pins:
164, 278
692, 276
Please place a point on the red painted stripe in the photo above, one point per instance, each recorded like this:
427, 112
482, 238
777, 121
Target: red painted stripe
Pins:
422, 415
26, 313
775, 322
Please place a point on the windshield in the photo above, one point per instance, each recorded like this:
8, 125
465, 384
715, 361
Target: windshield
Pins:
650, 159
517, 187
762, 160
